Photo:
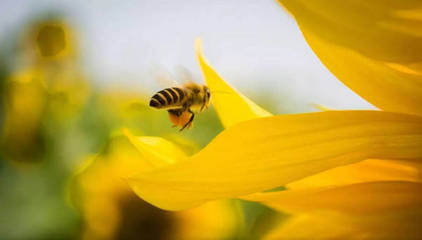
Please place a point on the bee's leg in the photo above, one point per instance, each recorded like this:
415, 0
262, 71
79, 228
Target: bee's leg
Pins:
190, 120
175, 112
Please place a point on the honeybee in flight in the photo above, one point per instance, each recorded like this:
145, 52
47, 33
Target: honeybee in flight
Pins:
182, 102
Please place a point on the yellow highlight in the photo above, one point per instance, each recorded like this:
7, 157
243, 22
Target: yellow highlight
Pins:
157, 151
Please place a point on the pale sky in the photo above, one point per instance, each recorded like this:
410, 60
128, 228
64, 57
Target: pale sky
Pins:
254, 45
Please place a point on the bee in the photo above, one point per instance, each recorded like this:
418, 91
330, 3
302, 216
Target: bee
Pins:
182, 102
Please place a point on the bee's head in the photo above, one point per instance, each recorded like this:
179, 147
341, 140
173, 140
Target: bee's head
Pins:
207, 94
207, 97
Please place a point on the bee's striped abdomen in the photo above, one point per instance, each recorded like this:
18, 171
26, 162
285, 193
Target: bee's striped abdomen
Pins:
174, 94
179, 92
167, 98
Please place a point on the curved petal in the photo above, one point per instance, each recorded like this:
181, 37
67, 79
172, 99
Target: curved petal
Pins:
375, 47
264, 153
360, 198
232, 107
157, 151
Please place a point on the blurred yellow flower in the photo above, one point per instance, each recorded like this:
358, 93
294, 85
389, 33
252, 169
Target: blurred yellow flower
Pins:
316, 155
57, 56
110, 211
47, 84
51, 48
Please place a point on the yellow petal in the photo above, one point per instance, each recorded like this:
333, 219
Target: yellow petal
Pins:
360, 198
157, 151
331, 225
369, 46
232, 107
370, 170
264, 153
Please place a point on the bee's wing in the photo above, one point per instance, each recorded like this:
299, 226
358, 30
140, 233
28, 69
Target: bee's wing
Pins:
184, 75
163, 77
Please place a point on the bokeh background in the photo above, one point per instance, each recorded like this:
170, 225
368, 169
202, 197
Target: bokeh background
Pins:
74, 73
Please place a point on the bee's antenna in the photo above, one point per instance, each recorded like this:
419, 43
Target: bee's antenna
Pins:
212, 92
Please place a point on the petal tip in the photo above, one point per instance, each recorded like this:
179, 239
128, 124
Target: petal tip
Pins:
198, 45
321, 107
